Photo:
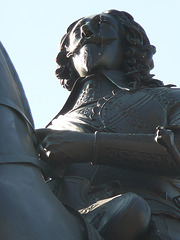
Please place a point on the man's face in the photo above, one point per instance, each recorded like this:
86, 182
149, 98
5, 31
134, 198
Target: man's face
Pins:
95, 44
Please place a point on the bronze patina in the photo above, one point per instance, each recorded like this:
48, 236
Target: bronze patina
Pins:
110, 157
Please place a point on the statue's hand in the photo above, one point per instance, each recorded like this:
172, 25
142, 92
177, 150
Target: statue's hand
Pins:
165, 137
63, 147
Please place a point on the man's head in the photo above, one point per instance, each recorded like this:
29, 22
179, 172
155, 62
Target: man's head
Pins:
111, 40
95, 44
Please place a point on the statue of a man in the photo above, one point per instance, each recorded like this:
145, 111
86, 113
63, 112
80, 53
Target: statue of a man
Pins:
117, 181
113, 111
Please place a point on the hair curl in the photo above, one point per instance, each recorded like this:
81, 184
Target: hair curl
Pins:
138, 54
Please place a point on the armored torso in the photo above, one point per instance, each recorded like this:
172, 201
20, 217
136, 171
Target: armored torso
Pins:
103, 106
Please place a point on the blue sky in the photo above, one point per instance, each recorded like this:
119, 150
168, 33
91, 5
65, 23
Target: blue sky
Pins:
31, 31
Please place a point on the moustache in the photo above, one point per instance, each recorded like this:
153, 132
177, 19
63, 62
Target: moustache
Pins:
96, 39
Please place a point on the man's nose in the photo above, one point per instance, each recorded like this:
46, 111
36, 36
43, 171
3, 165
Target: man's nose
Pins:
86, 30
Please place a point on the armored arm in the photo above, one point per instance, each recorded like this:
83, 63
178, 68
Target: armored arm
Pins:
133, 151
138, 152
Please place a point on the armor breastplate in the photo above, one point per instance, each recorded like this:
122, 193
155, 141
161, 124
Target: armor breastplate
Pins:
135, 111
99, 104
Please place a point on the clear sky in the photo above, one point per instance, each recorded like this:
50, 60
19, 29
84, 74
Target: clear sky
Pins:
31, 31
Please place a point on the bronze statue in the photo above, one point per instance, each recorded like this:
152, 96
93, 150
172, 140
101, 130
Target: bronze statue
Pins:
111, 179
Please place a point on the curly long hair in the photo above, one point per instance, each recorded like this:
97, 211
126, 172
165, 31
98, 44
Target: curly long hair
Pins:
138, 53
